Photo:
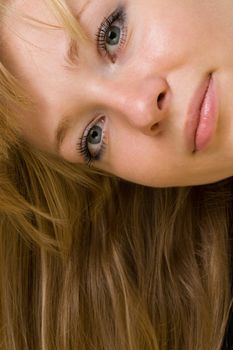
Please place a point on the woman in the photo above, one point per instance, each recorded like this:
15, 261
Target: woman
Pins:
116, 174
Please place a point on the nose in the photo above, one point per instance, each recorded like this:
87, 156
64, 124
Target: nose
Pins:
143, 103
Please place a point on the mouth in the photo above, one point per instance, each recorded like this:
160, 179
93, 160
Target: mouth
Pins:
202, 115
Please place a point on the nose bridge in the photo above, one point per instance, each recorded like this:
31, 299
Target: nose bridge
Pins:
141, 102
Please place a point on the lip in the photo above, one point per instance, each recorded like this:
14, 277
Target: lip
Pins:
202, 115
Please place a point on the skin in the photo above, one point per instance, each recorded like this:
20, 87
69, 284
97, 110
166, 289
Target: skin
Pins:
143, 93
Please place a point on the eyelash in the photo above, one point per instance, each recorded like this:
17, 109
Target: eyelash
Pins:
119, 15
83, 149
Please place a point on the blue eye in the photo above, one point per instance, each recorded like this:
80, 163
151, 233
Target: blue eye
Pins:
91, 145
95, 135
112, 33
111, 36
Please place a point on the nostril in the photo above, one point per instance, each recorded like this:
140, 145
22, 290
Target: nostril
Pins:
160, 100
155, 127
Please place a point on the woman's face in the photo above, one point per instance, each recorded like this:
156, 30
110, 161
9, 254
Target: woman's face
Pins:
132, 96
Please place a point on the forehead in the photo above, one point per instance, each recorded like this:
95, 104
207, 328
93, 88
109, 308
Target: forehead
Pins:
25, 12
28, 19
35, 51
28, 26
42, 8
30, 47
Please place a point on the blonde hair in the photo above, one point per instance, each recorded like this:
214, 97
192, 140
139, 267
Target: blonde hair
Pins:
89, 261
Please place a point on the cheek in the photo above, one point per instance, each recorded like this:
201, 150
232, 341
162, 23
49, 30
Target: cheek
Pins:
171, 38
140, 159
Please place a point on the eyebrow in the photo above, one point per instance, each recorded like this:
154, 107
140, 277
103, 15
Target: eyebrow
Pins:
62, 128
65, 123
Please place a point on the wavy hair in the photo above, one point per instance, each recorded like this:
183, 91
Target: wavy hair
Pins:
89, 261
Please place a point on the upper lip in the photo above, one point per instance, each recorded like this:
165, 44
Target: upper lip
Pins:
194, 109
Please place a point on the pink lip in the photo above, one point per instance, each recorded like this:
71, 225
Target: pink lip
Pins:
201, 116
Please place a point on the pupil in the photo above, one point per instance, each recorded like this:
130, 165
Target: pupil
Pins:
95, 134
113, 36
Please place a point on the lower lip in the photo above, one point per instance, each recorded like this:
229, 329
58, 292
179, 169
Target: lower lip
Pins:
208, 117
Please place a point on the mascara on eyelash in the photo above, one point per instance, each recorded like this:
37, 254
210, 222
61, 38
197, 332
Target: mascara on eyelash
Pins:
83, 150
118, 15
82, 146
